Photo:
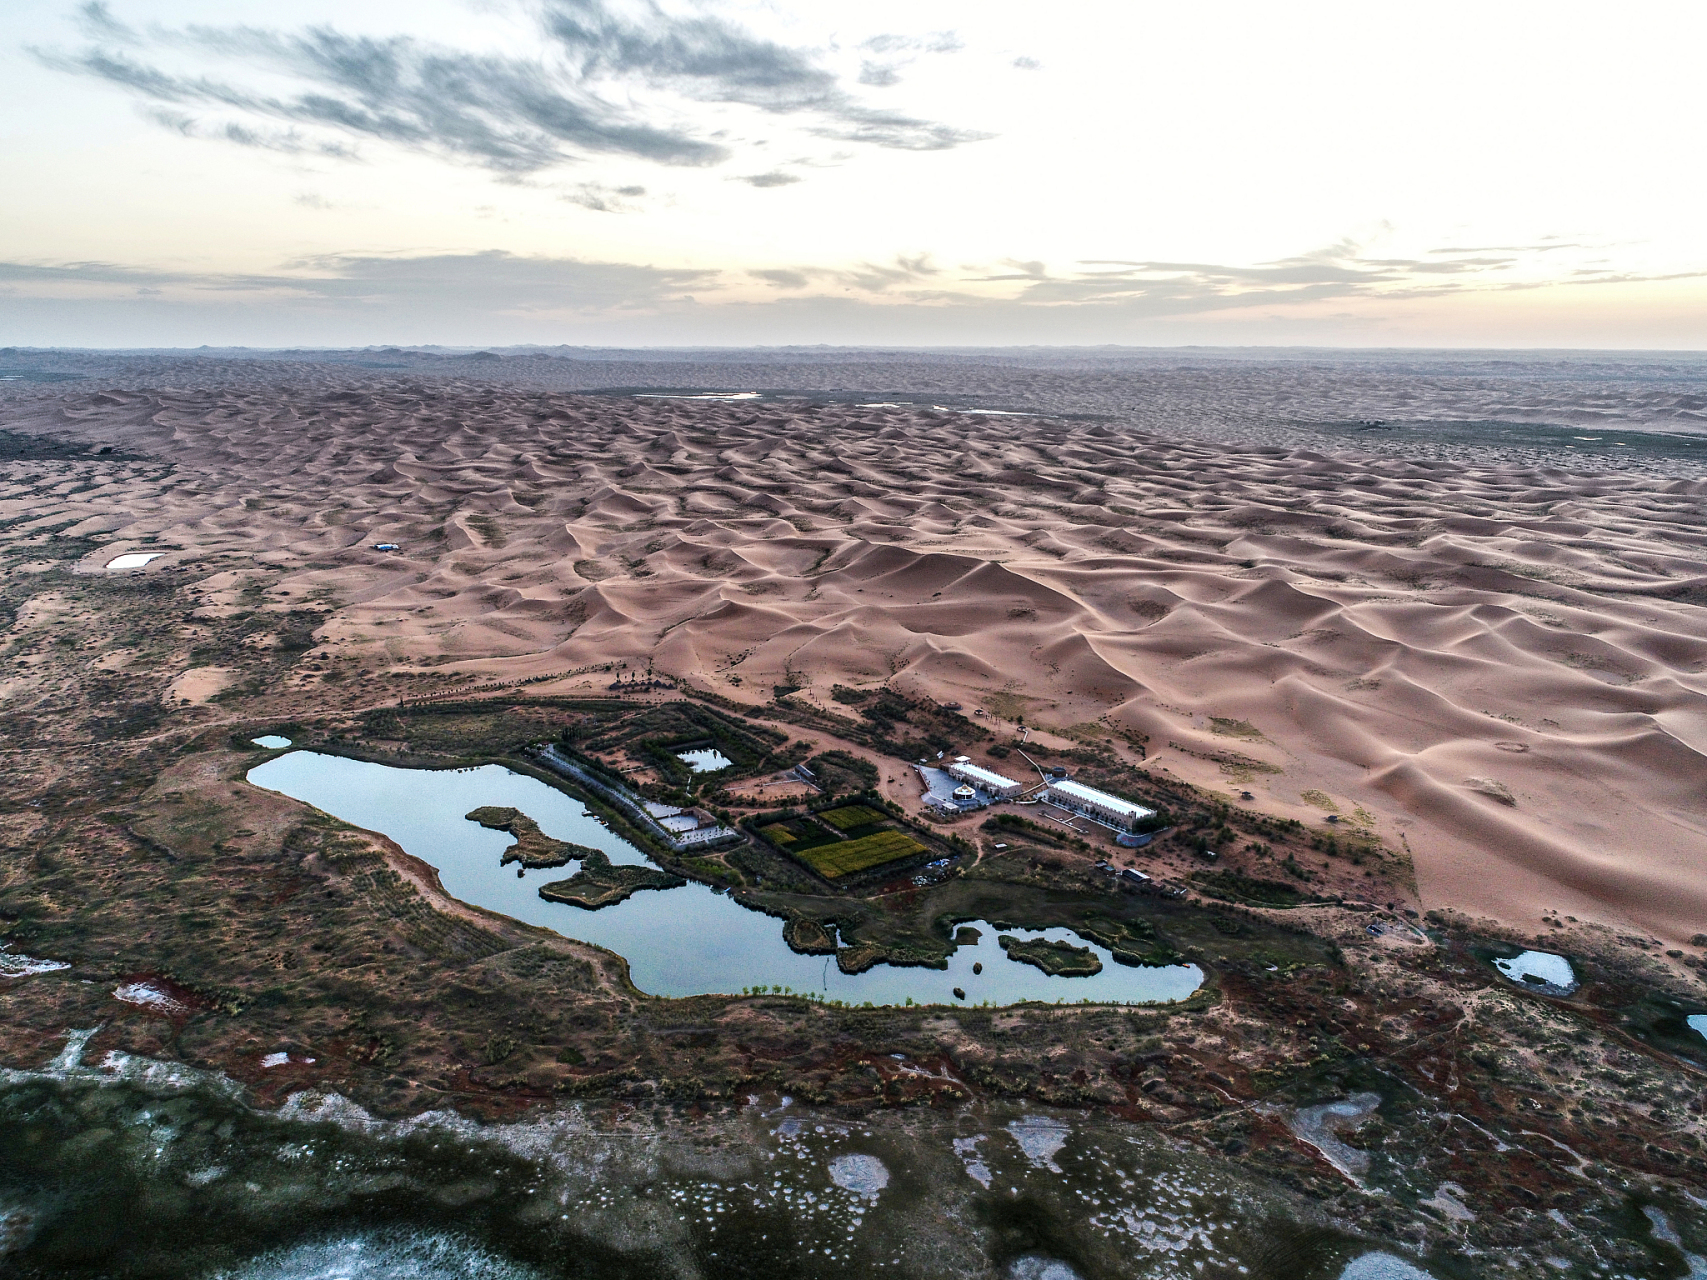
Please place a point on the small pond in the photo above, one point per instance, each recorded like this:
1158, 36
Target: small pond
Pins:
1698, 1024
1540, 969
134, 559
678, 942
271, 741
1381, 1265
704, 760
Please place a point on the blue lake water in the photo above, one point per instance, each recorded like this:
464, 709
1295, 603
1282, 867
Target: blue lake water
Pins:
678, 942
705, 760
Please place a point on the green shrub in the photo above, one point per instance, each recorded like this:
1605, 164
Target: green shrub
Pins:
841, 772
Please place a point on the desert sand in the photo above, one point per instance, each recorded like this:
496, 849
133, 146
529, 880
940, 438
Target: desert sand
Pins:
1500, 666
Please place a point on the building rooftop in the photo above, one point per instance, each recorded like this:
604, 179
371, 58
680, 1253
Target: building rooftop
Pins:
978, 773
1090, 795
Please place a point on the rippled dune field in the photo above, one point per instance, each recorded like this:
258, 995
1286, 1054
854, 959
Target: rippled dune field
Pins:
1495, 660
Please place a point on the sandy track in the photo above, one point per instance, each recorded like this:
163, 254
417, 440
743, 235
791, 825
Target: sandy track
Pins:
1502, 667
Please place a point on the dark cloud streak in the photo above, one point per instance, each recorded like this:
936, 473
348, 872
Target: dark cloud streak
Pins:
511, 114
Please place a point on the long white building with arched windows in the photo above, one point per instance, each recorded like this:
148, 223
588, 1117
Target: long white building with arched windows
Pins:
1098, 806
986, 780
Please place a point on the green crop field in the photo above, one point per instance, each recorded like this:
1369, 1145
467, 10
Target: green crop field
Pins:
834, 860
850, 816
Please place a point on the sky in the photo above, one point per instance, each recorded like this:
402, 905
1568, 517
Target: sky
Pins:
782, 172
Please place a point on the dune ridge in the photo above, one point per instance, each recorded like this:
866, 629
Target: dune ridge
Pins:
1502, 668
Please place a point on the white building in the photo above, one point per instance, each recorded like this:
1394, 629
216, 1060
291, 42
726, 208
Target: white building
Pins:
993, 784
1098, 806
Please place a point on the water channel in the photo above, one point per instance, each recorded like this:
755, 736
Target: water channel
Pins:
678, 942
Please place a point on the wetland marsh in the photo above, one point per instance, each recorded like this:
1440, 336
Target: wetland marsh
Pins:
126, 1167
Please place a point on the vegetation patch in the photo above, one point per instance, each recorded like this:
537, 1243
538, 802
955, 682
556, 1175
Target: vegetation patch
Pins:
760, 865
850, 816
1131, 942
809, 937
712, 869
1235, 765
842, 773
832, 861
533, 848
656, 733
795, 835
601, 883
1010, 824
467, 730
905, 727
1231, 886
1058, 959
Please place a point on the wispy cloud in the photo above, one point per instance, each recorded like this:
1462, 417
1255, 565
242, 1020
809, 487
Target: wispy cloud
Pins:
493, 296
784, 277
892, 44
491, 281
1338, 272
1023, 297
1157, 289
896, 51
902, 272
584, 93
771, 179
602, 199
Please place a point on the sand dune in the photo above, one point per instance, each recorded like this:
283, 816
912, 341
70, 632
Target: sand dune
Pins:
1502, 666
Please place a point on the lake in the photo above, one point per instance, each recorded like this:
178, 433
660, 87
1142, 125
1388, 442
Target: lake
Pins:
678, 942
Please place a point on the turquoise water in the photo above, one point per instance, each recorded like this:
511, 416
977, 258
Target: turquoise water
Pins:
678, 942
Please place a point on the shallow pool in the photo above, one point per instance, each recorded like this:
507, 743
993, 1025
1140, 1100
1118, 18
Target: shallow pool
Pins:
271, 741
134, 559
1541, 968
1381, 1265
704, 760
678, 942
